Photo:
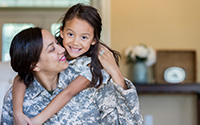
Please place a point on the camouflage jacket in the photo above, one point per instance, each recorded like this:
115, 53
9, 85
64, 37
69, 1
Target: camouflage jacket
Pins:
109, 104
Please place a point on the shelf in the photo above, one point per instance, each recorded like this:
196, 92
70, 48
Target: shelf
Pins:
168, 88
172, 88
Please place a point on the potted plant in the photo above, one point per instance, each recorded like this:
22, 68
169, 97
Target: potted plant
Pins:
141, 56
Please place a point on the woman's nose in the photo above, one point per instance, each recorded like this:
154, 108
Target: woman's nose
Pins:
61, 50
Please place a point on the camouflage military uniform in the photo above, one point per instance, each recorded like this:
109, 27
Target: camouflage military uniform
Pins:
109, 104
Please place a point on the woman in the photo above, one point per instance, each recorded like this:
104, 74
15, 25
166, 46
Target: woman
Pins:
37, 58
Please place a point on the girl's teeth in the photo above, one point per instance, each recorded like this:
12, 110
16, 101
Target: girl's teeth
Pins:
75, 49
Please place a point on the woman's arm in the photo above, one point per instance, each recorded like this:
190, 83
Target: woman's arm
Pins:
77, 85
18, 97
108, 62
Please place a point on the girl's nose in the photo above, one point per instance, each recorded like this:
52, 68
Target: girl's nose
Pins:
75, 40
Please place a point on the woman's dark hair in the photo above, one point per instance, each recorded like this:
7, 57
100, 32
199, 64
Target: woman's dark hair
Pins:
25, 52
91, 15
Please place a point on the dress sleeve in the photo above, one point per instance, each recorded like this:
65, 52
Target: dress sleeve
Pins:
81, 65
86, 73
118, 106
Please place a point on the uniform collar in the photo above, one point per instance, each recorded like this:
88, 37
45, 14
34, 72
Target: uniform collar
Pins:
36, 88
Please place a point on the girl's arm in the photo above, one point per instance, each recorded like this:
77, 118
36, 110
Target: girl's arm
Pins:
77, 85
108, 62
18, 97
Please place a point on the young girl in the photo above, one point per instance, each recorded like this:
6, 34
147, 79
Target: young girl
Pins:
80, 35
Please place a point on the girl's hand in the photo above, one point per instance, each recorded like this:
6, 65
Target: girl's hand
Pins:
35, 121
108, 62
22, 119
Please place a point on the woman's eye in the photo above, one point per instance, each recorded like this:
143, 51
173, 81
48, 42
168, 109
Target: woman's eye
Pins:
57, 42
70, 34
84, 37
51, 50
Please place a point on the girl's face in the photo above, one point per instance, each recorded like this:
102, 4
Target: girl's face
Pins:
78, 36
52, 59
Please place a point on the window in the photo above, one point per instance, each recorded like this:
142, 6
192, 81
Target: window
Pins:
41, 3
55, 28
9, 30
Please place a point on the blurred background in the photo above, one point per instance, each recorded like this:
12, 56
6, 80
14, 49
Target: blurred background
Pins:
161, 24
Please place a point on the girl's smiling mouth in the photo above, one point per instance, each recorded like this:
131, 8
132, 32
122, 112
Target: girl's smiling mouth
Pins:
74, 49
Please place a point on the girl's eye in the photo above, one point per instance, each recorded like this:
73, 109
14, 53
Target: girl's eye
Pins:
70, 34
84, 37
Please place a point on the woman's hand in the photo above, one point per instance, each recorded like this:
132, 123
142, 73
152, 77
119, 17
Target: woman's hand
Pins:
22, 119
108, 62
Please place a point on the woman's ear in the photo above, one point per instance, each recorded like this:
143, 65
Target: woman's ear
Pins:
93, 42
36, 68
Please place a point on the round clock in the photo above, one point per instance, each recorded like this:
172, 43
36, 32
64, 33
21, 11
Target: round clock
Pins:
174, 75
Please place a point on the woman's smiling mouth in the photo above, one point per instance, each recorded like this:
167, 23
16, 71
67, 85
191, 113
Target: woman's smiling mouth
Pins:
63, 58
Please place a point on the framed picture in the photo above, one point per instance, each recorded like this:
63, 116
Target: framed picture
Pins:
175, 66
